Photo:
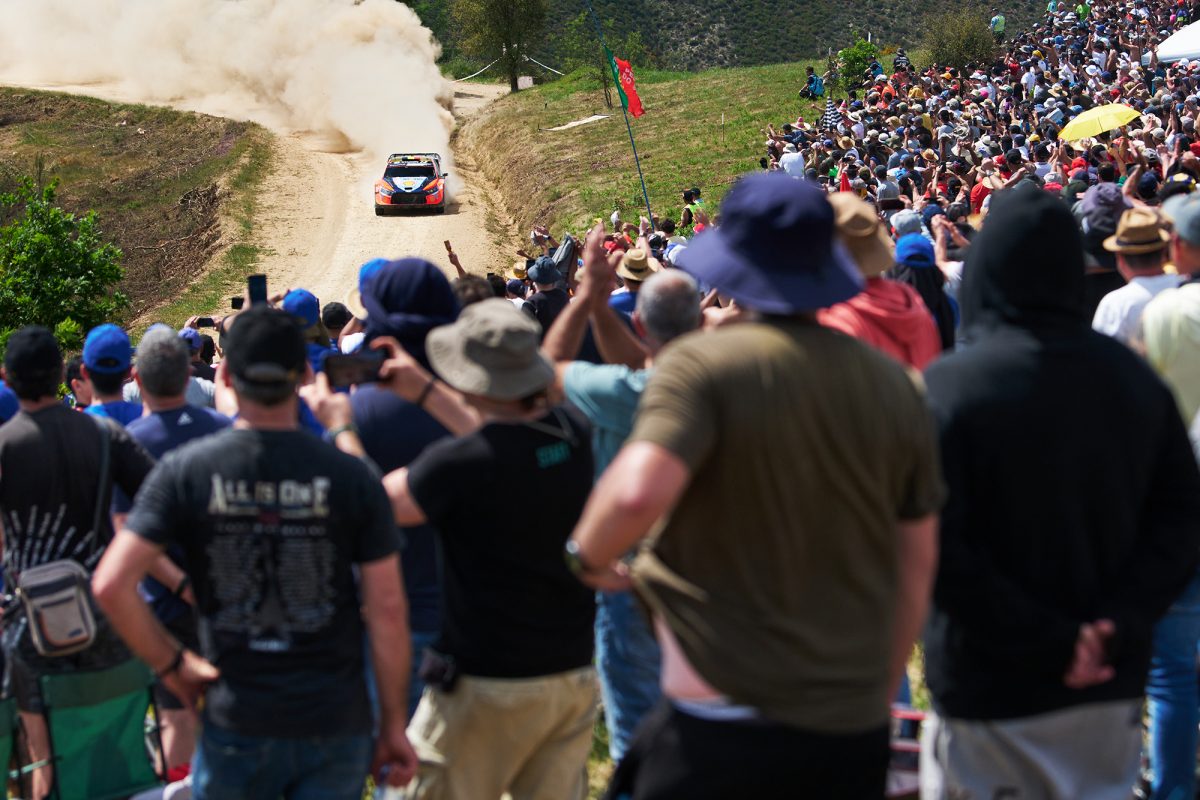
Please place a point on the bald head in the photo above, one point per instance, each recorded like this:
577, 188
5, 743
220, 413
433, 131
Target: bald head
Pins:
668, 306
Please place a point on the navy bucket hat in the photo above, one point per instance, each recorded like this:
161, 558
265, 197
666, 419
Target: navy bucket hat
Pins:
776, 249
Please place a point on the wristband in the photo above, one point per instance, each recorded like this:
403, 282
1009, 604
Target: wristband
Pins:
183, 585
425, 393
331, 435
173, 666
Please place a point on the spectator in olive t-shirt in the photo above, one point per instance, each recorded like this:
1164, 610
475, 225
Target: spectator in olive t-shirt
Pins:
797, 468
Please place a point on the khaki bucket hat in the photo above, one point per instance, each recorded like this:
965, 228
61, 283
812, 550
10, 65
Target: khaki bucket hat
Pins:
492, 350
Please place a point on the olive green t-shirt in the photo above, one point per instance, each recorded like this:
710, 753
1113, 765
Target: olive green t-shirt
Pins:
777, 570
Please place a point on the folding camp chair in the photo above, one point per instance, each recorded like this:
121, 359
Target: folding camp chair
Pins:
97, 720
904, 769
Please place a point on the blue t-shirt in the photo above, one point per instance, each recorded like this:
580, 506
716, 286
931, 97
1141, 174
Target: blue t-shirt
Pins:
623, 302
9, 404
119, 410
394, 432
608, 396
160, 433
317, 353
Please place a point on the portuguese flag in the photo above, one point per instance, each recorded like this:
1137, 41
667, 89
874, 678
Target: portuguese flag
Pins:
623, 77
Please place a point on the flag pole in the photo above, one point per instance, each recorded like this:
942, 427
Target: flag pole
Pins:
624, 110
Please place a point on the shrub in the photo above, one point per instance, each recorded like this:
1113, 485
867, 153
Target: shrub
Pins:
959, 37
55, 270
855, 60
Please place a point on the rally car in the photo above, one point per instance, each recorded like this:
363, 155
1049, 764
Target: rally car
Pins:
412, 181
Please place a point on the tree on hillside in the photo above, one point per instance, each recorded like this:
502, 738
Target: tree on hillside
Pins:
960, 36
55, 269
854, 61
499, 29
581, 49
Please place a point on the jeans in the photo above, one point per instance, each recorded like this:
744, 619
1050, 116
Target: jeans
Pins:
230, 766
1173, 699
629, 661
419, 640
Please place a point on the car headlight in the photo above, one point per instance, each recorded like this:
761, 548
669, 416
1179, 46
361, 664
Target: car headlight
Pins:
386, 192
437, 187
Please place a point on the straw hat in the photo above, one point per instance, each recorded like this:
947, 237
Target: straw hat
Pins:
637, 266
860, 230
1138, 231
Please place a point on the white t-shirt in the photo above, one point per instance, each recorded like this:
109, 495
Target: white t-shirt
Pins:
792, 164
1119, 314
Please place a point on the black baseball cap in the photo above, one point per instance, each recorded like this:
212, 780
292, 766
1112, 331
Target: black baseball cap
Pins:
32, 355
266, 346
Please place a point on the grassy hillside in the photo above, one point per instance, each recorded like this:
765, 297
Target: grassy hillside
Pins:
568, 178
697, 34
170, 189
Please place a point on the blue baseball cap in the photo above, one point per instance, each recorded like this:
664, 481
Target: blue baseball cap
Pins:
304, 305
776, 250
107, 350
192, 337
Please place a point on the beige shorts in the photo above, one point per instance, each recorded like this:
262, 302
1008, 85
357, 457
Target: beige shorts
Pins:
529, 737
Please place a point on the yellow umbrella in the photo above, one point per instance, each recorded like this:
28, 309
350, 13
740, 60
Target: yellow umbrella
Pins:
1096, 121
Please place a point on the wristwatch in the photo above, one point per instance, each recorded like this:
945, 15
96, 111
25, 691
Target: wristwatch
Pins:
574, 558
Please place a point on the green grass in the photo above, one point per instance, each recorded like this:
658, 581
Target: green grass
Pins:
700, 129
169, 188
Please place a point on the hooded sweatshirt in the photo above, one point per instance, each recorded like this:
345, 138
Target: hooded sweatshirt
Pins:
915, 266
891, 317
1073, 495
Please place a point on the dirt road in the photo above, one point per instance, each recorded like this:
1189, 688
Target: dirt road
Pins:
316, 222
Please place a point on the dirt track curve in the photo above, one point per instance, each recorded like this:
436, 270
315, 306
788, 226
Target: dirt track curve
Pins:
316, 222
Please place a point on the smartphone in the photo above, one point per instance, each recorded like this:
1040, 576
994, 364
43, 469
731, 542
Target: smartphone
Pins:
256, 287
349, 370
205, 322
449, 247
236, 303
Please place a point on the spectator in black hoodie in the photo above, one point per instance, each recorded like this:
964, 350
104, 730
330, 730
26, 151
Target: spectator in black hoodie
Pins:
1073, 522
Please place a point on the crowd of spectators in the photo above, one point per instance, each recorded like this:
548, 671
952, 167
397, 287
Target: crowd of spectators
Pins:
931, 377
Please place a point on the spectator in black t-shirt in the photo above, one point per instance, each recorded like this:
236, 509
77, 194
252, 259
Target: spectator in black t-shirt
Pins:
49, 487
405, 300
510, 691
273, 524
550, 299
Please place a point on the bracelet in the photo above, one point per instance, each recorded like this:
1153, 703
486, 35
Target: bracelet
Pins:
425, 393
331, 435
183, 585
173, 666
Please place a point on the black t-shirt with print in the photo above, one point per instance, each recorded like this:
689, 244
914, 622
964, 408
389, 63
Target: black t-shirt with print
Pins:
49, 476
511, 608
271, 523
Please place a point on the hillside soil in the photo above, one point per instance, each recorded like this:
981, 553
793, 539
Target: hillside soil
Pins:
155, 177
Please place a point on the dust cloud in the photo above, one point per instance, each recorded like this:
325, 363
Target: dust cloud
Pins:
358, 76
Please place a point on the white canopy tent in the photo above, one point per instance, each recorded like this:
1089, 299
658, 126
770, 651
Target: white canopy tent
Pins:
1182, 45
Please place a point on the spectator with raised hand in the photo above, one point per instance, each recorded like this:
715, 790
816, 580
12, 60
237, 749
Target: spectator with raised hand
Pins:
403, 301
627, 655
54, 501
1037, 666
275, 525
753, 673
195, 343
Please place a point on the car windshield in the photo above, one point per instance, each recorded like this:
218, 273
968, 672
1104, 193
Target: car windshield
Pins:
401, 171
